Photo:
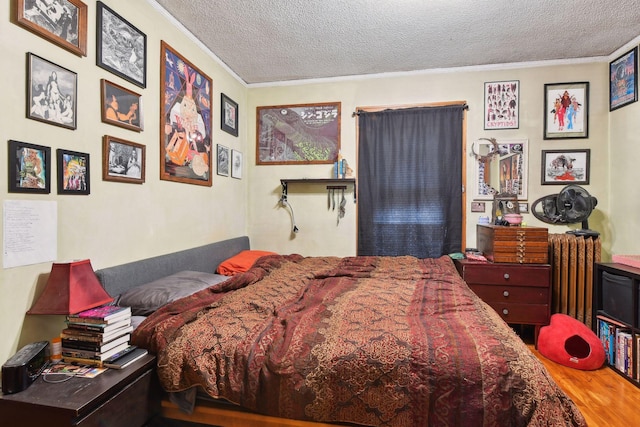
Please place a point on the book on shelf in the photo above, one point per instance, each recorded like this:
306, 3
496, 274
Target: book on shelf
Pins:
127, 359
92, 336
104, 314
83, 361
98, 327
94, 355
77, 344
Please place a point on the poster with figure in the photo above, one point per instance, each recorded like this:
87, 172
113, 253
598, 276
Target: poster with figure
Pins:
502, 104
566, 110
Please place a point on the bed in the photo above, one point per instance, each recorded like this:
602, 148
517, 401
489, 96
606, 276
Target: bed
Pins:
373, 341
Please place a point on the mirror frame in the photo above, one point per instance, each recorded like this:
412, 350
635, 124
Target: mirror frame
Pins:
506, 150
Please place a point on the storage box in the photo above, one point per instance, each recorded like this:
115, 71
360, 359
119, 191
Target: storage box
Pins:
513, 244
617, 294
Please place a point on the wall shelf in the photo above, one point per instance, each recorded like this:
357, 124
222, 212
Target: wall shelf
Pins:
330, 183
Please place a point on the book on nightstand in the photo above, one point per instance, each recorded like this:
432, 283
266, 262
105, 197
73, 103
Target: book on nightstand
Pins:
104, 314
127, 359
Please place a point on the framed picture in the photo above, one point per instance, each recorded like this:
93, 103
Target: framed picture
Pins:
566, 110
185, 120
478, 206
121, 48
503, 170
228, 115
29, 168
63, 23
223, 160
52, 92
623, 80
236, 164
120, 106
123, 161
298, 134
562, 167
502, 105
73, 172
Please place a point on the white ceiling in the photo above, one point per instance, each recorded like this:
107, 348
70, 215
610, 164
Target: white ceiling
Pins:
267, 41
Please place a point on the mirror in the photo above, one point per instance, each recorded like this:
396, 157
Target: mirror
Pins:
503, 170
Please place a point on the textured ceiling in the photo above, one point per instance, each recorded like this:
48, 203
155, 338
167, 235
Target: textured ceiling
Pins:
266, 41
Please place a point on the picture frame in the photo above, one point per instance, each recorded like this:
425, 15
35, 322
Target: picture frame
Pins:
229, 115
566, 110
504, 170
316, 128
562, 167
52, 93
502, 105
236, 164
29, 167
73, 172
65, 27
123, 161
185, 120
623, 80
121, 48
223, 160
478, 206
120, 106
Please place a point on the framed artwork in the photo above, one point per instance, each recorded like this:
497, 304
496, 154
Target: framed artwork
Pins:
228, 115
62, 22
566, 110
52, 92
223, 160
236, 164
478, 206
623, 80
120, 106
298, 134
562, 167
73, 172
502, 105
185, 120
503, 170
121, 48
29, 168
123, 161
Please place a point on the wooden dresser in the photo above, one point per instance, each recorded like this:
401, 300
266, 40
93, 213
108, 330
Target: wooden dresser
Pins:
520, 293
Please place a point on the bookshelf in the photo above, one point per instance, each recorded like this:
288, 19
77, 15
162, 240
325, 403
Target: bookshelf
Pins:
616, 303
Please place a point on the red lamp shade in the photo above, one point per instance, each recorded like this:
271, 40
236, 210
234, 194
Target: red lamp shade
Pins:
72, 287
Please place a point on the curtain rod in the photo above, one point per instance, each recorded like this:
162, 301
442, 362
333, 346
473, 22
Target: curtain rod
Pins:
358, 112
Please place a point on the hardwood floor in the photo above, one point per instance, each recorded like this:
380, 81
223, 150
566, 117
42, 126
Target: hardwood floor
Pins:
603, 396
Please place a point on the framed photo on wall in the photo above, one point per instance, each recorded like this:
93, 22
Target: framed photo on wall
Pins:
120, 106
123, 161
29, 167
236, 164
223, 160
63, 23
562, 167
185, 120
502, 105
228, 115
566, 110
73, 172
298, 134
52, 93
121, 48
623, 80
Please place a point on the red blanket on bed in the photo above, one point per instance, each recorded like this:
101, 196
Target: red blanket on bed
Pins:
393, 341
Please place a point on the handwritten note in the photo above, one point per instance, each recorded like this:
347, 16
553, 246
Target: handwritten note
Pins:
30, 230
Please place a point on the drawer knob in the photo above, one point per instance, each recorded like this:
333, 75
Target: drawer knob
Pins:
506, 276
505, 311
505, 293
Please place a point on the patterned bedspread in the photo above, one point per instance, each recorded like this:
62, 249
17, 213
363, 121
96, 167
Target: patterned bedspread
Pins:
384, 341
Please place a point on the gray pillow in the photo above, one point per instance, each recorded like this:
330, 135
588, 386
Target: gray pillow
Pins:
147, 298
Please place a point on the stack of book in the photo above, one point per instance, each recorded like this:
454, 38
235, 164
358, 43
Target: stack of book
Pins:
96, 335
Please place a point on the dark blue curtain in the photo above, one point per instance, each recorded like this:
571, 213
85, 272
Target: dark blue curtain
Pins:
410, 181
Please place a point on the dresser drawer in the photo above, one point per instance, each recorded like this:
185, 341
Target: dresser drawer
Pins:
511, 294
537, 275
527, 314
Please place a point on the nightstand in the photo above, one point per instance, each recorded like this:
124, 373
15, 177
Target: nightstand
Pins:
116, 398
519, 293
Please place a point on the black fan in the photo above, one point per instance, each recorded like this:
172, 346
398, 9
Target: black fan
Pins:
573, 204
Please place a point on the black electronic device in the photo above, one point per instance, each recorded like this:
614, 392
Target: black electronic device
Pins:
22, 369
573, 204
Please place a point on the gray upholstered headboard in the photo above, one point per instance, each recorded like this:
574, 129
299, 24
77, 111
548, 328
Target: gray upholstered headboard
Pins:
119, 278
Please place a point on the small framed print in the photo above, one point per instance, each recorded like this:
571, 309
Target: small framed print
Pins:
73, 172
623, 80
229, 115
236, 164
501, 105
566, 110
478, 206
63, 23
120, 106
123, 161
562, 167
223, 160
29, 168
524, 207
51, 93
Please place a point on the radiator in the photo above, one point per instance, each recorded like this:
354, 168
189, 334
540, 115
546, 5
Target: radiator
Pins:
572, 260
